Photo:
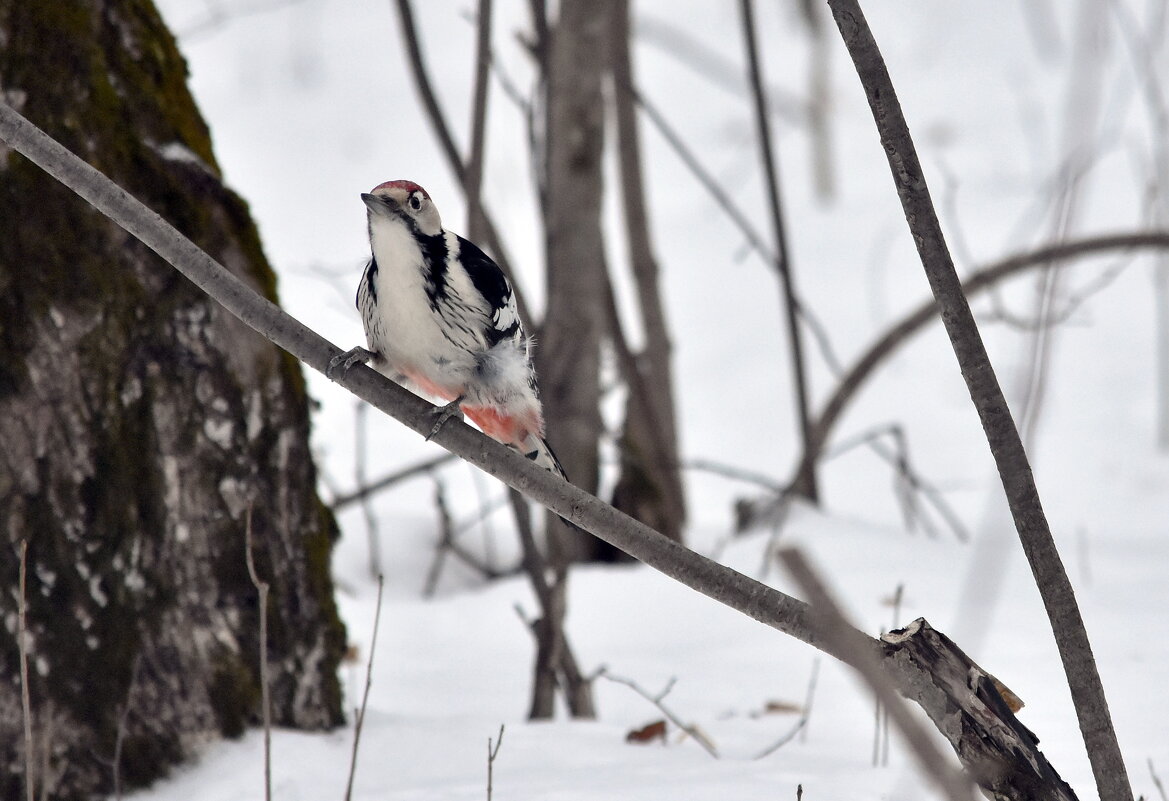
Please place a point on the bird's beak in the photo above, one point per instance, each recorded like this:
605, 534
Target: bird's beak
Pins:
375, 203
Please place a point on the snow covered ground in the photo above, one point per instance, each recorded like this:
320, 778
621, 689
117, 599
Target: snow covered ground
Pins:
310, 103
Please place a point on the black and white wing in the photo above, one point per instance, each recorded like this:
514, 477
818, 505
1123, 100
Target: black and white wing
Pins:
491, 283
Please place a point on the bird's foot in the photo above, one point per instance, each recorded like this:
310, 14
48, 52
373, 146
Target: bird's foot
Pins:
444, 413
343, 362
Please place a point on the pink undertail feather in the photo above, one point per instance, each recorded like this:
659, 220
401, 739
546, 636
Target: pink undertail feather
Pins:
522, 433
429, 387
525, 433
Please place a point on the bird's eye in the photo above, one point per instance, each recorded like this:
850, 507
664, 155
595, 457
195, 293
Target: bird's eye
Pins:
415, 203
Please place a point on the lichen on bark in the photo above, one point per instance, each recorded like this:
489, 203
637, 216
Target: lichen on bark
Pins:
138, 423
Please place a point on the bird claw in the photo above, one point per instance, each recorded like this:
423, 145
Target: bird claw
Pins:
444, 413
343, 362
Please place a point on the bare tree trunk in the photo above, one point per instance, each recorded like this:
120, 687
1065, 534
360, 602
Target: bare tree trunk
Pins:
473, 181
138, 421
569, 356
650, 487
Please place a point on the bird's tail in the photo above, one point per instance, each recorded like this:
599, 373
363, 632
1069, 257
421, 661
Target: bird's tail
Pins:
520, 432
539, 451
521, 435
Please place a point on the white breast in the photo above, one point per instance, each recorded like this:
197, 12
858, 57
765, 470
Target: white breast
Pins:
408, 334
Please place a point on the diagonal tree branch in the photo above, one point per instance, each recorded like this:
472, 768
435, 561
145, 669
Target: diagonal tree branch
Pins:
1006, 446
718, 582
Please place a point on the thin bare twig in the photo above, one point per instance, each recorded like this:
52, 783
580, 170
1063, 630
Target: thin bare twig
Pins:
910, 485
262, 588
705, 178
979, 281
805, 483
738, 218
658, 700
25, 695
484, 566
372, 532
805, 715
1157, 781
696, 53
909, 481
446, 538
359, 718
492, 753
832, 626
732, 472
1071, 302
364, 491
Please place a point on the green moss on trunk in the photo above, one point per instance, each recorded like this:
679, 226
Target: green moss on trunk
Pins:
139, 421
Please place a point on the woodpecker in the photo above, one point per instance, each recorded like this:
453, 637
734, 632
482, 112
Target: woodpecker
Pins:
440, 318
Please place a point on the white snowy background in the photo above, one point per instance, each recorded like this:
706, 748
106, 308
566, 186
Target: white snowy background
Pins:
310, 103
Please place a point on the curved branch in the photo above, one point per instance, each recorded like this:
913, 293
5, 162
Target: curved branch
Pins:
864, 367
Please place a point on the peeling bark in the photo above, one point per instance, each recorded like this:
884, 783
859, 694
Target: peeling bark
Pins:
967, 705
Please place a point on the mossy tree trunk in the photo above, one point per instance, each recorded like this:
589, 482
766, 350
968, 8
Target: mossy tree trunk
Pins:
138, 422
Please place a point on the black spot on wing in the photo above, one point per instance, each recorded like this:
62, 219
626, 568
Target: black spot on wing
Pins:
491, 283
